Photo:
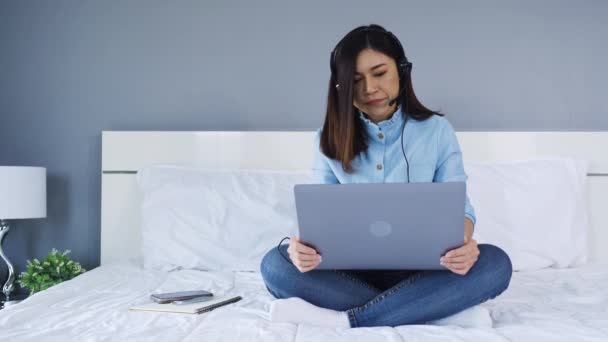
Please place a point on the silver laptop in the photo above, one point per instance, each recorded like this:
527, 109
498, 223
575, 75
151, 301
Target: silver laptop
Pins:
381, 225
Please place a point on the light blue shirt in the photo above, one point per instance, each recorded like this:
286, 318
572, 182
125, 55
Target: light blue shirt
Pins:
431, 148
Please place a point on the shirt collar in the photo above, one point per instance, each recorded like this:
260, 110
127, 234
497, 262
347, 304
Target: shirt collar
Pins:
389, 127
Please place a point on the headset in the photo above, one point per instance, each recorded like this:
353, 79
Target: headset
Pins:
404, 69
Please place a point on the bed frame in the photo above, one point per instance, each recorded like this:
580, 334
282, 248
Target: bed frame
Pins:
123, 153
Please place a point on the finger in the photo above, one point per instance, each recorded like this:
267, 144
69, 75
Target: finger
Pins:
292, 245
448, 260
290, 248
461, 271
457, 266
461, 266
461, 251
293, 242
472, 253
463, 258
308, 268
302, 248
308, 257
298, 246
307, 263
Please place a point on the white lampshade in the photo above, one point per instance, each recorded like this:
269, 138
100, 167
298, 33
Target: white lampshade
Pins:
22, 192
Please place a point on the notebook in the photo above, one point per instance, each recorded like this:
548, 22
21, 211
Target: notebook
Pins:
193, 308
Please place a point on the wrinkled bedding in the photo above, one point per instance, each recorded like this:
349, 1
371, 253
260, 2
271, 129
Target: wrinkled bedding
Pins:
546, 305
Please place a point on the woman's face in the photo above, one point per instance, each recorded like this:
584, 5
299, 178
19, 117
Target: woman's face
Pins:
376, 83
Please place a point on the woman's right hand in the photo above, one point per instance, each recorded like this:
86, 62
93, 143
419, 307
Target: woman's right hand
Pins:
303, 257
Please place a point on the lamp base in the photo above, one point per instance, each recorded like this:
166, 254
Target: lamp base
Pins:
15, 299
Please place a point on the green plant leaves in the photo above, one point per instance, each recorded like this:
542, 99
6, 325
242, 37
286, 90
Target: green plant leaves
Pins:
54, 269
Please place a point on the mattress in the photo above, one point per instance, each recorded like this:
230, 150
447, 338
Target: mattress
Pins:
546, 305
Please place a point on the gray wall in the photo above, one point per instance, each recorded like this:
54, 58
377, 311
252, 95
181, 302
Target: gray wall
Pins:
70, 69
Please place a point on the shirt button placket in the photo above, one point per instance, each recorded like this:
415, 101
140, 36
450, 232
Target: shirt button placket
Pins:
379, 166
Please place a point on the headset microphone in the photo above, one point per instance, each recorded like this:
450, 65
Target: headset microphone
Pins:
392, 102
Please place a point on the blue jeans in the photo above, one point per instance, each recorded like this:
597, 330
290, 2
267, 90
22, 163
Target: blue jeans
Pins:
390, 297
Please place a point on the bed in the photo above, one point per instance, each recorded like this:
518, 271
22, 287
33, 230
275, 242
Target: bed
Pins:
542, 304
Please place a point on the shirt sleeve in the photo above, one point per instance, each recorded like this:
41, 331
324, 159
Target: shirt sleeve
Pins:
321, 171
450, 167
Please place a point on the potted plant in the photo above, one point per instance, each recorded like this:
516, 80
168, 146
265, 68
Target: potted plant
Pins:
54, 269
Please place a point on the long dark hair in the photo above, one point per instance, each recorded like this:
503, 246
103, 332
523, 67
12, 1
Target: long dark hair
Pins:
343, 136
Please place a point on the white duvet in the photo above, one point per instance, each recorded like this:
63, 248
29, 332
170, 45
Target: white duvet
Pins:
546, 305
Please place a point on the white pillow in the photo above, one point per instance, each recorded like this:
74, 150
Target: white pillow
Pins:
215, 220
535, 210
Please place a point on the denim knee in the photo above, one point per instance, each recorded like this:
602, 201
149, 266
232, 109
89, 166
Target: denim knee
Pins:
498, 264
274, 267
271, 261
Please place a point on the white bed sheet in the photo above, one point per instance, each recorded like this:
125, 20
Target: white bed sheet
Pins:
546, 305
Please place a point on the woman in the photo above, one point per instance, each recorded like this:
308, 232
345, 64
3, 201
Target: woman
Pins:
376, 130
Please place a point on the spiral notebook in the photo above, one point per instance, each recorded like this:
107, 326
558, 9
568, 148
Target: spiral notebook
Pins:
193, 308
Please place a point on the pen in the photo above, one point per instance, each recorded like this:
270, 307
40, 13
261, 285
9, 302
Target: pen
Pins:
217, 305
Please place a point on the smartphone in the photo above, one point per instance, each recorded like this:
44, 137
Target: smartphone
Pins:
193, 300
163, 298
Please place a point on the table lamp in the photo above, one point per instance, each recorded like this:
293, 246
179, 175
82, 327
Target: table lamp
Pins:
23, 197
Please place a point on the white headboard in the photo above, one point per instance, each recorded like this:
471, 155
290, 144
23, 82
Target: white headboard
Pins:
123, 153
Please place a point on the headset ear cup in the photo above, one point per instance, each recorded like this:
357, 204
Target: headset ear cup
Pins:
408, 68
404, 68
401, 69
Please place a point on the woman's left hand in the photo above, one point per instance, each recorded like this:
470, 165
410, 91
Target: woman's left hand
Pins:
461, 259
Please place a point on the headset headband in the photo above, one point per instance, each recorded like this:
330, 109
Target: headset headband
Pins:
403, 65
